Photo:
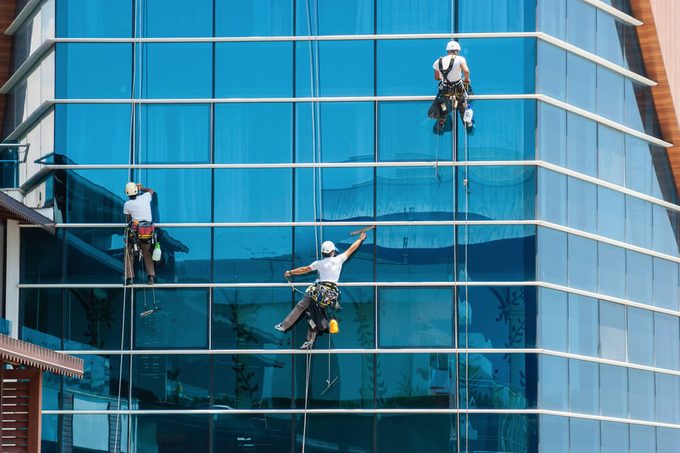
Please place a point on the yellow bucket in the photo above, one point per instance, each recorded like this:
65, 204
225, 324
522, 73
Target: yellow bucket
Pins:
334, 328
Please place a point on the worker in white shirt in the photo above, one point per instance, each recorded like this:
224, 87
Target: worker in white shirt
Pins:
454, 82
140, 230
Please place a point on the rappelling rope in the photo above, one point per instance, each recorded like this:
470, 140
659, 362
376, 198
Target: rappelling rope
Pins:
466, 184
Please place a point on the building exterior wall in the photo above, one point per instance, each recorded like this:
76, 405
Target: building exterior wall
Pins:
520, 291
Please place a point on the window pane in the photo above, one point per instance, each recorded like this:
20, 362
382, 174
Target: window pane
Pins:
495, 381
171, 191
552, 188
168, 23
666, 341
583, 325
584, 435
552, 248
552, 71
84, 196
231, 432
612, 270
407, 16
553, 387
353, 431
36, 242
38, 308
554, 434
185, 255
242, 194
638, 165
584, 387
177, 381
642, 439
414, 193
552, 133
582, 263
611, 208
667, 439
94, 319
581, 144
610, 94
610, 154
496, 16
552, 319
340, 194
552, 17
497, 193
581, 82
667, 397
612, 331
664, 230
581, 25
94, 18
345, 68
161, 77
582, 205
614, 437
92, 71
334, 18
98, 387
640, 391
640, 336
235, 77
415, 78
417, 381
166, 432
254, 18
614, 391
665, 284
639, 277
610, 37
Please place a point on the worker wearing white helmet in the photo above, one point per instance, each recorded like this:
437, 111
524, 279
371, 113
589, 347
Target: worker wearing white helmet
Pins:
137, 210
454, 79
329, 269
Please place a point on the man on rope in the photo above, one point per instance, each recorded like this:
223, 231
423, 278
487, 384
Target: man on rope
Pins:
140, 235
454, 82
324, 291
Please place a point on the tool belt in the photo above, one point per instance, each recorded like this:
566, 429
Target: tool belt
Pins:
324, 293
142, 231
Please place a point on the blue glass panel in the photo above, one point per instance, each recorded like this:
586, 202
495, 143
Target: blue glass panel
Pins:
554, 434
38, 310
167, 22
614, 391
614, 437
343, 68
642, 439
613, 331
352, 431
665, 284
414, 193
581, 81
93, 317
334, 18
161, 77
664, 234
611, 208
412, 253
412, 432
583, 325
92, 71
96, 433
581, 25
504, 130
85, 196
356, 320
94, 18
182, 321
553, 387
235, 75
497, 317
338, 194
185, 255
415, 78
633, 110
582, 263
610, 154
638, 165
173, 134
179, 432
612, 270
243, 192
584, 387
584, 435
667, 439
666, 341
272, 432
497, 193
552, 319
405, 133
552, 248
171, 381
610, 38
99, 120
582, 205
408, 16
252, 254
254, 18
640, 336
94, 255
239, 137
639, 277
517, 243
581, 144
552, 189
36, 242
610, 94
551, 76
496, 16
418, 317
552, 17
346, 131
487, 432
188, 188
638, 222
552, 133
667, 397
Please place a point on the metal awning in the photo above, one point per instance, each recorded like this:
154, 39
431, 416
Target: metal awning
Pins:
22, 353
14, 210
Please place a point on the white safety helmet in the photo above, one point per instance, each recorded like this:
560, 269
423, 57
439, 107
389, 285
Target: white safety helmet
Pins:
328, 247
452, 45
131, 189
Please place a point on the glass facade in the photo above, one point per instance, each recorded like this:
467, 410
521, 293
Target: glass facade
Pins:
520, 290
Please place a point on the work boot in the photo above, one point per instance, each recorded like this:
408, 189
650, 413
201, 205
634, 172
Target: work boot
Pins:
128, 281
307, 344
150, 280
279, 327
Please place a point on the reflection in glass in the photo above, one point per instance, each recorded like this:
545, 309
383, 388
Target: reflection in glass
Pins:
177, 432
416, 381
334, 18
271, 432
353, 432
242, 193
497, 193
38, 310
188, 187
499, 66
499, 432
235, 75
414, 193
170, 381
89, 196
97, 433
93, 71
36, 242
340, 194
92, 319
496, 16
497, 381
98, 389
252, 382
416, 432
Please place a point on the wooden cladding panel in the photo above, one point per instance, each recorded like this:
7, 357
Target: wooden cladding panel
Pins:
20, 406
7, 11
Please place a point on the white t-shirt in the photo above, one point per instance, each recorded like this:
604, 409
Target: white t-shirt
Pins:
329, 268
139, 208
456, 73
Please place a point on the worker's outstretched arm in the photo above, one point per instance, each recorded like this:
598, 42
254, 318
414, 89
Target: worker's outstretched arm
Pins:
466, 71
437, 76
146, 189
298, 271
353, 248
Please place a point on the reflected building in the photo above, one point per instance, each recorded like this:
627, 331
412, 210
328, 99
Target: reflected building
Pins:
520, 291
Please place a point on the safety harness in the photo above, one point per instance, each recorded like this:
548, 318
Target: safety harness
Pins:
140, 232
324, 295
445, 82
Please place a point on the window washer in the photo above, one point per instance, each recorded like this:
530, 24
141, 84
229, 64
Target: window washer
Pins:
140, 231
323, 289
454, 82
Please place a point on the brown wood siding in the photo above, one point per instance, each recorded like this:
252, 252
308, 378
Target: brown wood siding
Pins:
653, 57
7, 8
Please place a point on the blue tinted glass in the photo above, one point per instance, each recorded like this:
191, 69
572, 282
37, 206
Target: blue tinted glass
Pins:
177, 381
583, 325
552, 133
416, 380
584, 387
38, 308
483, 432
552, 189
171, 191
610, 154
554, 434
582, 263
413, 253
345, 68
408, 16
640, 389
334, 18
94, 255
552, 17
634, 109
167, 22
509, 131
610, 94
614, 391
581, 81
101, 377
161, 77
36, 242
614, 437
485, 184
638, 222
96, 433
613, 331
345, 132
642, 439
640, 336
182, 321
610, 37
552, 71
272, 432
173, 134
405, 133
416, 193
235, 75
581, 25
582, 205
94, 18
243, 192
552, 319
667, 397
611, 208
665, 284
581, 144
411, 432
552, 248
421, 317
239, 137
339, 193
552, 383
94, 319
253, 18
354, 432
100, 120
639, 277
415, 78
666, 344
497, 381
664, 237
185, 255
638, 165
612, 270
177, 431
90, 196
92, 71
667, 439
495, 16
